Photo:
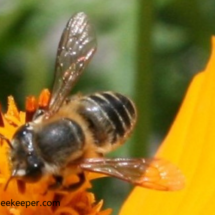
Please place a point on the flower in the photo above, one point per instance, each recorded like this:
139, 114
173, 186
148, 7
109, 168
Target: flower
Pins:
71, 203
190, 144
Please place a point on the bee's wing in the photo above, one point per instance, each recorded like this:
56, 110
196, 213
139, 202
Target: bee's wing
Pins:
155, 173
76, 47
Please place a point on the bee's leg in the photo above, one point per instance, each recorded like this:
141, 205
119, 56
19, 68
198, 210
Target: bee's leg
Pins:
58, 183
77, 185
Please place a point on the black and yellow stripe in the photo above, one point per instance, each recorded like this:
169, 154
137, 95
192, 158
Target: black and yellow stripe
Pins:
111, 116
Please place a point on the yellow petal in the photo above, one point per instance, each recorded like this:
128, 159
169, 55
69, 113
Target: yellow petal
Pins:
190, 144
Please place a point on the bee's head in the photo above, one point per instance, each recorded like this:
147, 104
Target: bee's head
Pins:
25, 162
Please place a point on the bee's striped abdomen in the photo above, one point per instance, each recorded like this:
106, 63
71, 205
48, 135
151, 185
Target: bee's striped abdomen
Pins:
111, 116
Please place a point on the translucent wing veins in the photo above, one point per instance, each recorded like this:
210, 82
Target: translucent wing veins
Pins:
76, 47
150, 173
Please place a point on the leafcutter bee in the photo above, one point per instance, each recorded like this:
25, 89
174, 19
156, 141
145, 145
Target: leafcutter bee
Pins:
74, 133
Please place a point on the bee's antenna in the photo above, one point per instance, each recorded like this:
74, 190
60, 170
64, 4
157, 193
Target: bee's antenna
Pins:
7, 140
10, 178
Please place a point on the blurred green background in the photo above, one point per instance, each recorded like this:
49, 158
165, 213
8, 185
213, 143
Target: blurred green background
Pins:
148, 50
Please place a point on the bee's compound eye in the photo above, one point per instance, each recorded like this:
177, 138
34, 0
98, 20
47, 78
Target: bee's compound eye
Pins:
33, 168
23, 139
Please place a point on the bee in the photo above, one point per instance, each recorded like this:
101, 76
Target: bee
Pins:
73, 134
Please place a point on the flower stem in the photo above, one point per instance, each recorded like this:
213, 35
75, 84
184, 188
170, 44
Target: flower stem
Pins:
143, 82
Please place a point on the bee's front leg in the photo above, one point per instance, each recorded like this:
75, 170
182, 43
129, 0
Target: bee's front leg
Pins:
77, 185
59, 183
